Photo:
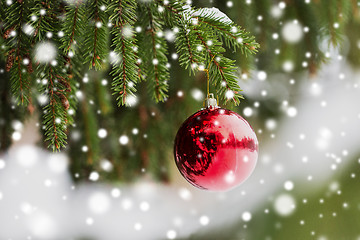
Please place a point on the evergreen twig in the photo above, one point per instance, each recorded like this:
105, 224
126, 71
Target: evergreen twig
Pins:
125, 72
96, 33
155, 64
228, 32
18, 61
53, 81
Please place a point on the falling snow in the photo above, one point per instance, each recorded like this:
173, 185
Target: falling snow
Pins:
45, 52
292, 32
318, 135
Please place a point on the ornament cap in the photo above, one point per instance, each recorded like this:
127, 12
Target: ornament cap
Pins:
210, 101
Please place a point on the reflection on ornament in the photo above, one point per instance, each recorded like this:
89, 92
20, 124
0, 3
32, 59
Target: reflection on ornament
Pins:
216, 149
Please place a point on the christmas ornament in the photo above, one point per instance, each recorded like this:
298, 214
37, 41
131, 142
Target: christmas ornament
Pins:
215, 149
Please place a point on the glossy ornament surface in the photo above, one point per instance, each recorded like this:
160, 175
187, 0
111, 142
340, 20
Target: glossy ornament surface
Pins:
216, 149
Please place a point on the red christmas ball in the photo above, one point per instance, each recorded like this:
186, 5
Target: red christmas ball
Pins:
216, 149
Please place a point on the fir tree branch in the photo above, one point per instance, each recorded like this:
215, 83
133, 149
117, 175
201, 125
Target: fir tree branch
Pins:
125, 73
53, 78
55, 114
188, 46
96, 33
18, 56
228, 32
156, 69
174, 8
85, 26
73, 27
40, 27
207, 30
186, 42
72, 30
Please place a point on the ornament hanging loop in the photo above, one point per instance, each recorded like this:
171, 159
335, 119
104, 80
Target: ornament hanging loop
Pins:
210, 101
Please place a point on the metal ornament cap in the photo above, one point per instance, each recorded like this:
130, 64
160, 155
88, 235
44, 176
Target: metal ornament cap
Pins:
210, 101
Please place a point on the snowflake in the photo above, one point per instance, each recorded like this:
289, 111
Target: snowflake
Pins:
45, 52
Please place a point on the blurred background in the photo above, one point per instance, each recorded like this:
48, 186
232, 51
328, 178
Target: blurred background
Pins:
117, 178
